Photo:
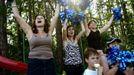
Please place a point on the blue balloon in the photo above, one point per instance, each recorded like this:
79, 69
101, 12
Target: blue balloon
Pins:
117, 13
62, 16
73, 16
115, 55
70, 14
81, 16
78, 18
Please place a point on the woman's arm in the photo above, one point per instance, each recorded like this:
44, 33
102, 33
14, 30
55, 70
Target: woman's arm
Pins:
64, 32
82, 32
113, 70
87, 30
26, 28
54, 20
107, 25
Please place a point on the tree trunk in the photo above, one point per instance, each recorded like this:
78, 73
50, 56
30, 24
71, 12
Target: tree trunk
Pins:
3, 37
59, 48
3, 40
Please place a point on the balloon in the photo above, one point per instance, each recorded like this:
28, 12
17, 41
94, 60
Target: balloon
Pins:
74, 13
116, 55
70, 13
117, 13
62, 16
73, 16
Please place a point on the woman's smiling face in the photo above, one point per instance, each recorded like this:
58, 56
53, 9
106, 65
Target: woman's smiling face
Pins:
70, 31
40, 21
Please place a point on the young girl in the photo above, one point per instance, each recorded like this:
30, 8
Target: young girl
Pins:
94, 40
72, 59
94, 35
92, 59
41, 60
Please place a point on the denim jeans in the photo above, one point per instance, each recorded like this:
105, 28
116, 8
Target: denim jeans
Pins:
41, 67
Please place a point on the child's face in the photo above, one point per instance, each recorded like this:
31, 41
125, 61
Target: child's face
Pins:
114, 44
92, 25
93, 59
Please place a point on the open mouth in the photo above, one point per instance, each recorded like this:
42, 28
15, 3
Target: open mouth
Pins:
39, 21
71, 33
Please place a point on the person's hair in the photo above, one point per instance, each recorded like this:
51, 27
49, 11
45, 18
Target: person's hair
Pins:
46, 25
90, 51
74, 31
91, 22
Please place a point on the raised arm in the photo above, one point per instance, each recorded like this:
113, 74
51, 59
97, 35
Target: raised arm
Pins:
82, 31
113, 70
107, 25
64, 32
87, 30
54, 20
26, 28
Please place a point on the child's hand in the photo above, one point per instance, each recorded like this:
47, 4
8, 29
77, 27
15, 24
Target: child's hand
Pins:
100, 52
100, 70
96, 66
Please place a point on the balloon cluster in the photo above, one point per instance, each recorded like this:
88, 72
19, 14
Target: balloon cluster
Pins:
72, 16
123, 57
74, 13
117, 13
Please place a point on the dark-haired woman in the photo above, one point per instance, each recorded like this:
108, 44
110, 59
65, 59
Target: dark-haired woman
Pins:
72, 59
41, 60
94, 40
